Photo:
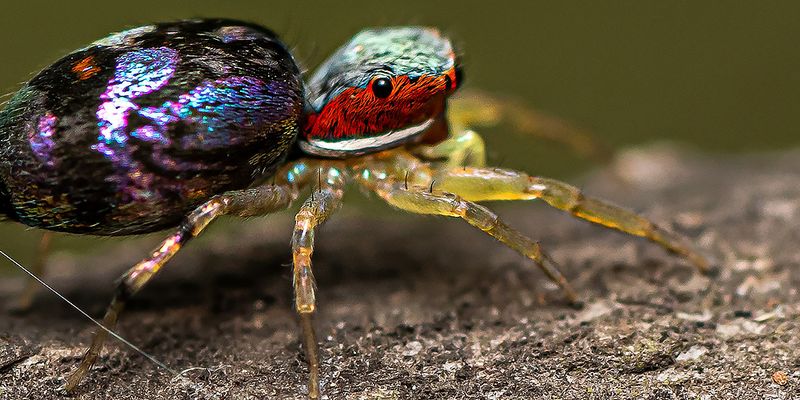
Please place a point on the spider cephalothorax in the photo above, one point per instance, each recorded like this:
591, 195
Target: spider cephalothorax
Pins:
385, 87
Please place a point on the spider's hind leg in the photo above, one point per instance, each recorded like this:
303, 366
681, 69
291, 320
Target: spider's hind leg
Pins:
482, 184
250, 202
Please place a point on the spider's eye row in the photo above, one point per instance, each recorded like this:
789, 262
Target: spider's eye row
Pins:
382, 87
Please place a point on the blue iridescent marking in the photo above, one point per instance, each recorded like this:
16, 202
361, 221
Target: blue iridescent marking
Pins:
215, 104
333, 173
297, 170
235, 33
137, 73
148, 133
141, 72
218, 113
158, 114
41, 140
124, 36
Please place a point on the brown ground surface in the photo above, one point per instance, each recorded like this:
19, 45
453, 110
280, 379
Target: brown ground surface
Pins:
416, 308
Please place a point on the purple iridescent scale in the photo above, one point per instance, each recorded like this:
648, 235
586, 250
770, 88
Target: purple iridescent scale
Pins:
129, 134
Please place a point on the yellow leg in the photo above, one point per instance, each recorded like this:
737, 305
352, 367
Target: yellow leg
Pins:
316, 210
422, 200
482, 184
39, 263
473, 108
257, 201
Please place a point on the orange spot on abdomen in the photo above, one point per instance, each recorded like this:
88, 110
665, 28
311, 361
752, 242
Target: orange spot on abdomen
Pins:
85, 68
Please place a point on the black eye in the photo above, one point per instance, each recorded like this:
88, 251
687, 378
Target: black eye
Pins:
382, 87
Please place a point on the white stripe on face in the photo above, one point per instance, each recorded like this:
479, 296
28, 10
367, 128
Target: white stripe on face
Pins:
360, 146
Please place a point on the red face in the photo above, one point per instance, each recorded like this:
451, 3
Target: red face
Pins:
385, 88
385, 105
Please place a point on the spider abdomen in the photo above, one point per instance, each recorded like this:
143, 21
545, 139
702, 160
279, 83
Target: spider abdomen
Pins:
129, 134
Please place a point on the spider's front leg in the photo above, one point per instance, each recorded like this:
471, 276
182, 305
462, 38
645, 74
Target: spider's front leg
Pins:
259, 200
483, 184
474, 108
320, 205
434, 201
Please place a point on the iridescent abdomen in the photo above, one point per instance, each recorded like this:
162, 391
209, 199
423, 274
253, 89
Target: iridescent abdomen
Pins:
130, 133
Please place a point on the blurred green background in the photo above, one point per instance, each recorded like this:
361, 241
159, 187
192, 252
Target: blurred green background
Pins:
718, 76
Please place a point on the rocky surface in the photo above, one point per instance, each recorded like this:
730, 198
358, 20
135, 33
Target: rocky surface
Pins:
424, 308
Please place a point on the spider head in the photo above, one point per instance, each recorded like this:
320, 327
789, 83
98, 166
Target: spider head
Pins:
384, 88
